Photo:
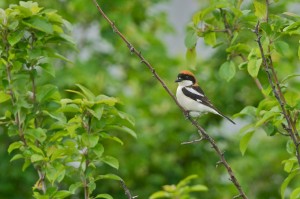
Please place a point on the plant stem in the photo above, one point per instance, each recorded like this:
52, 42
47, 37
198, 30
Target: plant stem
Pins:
273, 81
8, 67
201, 131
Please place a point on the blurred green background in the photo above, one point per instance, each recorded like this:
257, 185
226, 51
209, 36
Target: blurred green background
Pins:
103, 63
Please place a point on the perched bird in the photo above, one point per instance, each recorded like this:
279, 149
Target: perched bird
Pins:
192, 98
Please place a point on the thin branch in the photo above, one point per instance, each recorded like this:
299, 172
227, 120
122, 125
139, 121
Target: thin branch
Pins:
201, 131
193, 141
276, 81
269, 68
267, 12
226, 24
126, 190
8, 67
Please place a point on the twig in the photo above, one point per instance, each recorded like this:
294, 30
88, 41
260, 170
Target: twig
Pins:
193, 141
267, 12
226, 24
127, 192
201, 131
268, 65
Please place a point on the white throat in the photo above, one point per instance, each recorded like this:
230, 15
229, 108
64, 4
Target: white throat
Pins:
185, 83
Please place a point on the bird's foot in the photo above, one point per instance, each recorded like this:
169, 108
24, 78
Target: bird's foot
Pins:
186, 114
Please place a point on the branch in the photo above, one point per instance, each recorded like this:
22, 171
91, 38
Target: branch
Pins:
226, 24
201, 131
272, 77
127, 192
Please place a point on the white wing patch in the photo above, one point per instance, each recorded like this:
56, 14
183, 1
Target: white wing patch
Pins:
194, 92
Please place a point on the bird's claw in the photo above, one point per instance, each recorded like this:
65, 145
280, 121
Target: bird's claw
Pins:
186, 114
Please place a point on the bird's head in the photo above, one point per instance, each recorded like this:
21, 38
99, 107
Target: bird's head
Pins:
186, 78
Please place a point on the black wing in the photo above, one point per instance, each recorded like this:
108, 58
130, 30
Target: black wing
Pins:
197, 94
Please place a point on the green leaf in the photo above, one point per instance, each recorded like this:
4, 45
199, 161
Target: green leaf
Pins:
295, 194
266, 27
210, 38
87, 93
289, 164
36, 158
126, 117
109, 176
14, 146
267, 116
248, 110
38, 134
123, 129
15, 37
243, 65
59, 56
39, 23
62, 194
197, 188
75, 186
48, 68
186, 180
114, 138
290, 147
286, 183
270, 129
35, 149
245, 141
55, 173
299, 52
16, 157
260, 9
282, 47
160, 194
103, 99
227, 70
98, 150
254, 66
196, 18
26, 164
70, 108
90, 140
97, 113
191, 38
111, 161
191, 57
32, 6
104, 195
4, 97
47, 92
289, 77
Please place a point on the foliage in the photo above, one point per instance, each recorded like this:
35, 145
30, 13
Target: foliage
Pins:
60, 137
103, 64
181, 190
261, 42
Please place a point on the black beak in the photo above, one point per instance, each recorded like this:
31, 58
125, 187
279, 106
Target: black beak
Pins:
178, 80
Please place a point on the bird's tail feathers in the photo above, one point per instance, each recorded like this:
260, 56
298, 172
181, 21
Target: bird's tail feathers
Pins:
224, 116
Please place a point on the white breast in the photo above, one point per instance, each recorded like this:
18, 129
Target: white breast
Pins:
192, 105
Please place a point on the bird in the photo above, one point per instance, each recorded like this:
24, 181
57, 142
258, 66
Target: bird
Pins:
192, 98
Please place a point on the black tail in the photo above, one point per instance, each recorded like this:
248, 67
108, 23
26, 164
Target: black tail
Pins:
227, 118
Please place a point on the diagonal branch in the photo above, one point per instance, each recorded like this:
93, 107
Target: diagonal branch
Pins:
126, 190
273, 81
201, 131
